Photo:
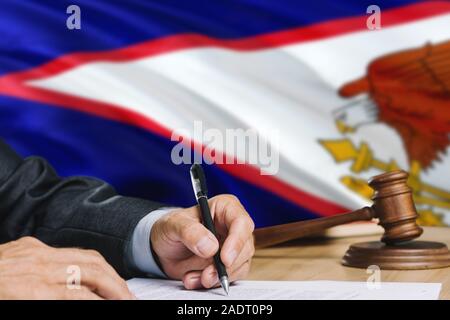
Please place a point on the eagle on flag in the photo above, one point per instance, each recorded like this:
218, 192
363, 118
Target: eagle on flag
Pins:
411, 93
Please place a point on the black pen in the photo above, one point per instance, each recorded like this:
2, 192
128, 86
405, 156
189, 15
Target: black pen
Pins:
201, 194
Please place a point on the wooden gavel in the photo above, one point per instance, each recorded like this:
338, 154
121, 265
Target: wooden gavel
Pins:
392, 204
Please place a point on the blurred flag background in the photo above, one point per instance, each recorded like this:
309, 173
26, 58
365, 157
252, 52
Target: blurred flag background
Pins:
348, 102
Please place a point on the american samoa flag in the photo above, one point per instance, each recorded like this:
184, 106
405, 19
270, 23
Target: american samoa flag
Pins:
348, 101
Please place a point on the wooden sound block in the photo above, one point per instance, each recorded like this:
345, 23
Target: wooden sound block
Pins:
411, 255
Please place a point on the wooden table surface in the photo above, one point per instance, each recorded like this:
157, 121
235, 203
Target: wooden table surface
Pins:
319, 259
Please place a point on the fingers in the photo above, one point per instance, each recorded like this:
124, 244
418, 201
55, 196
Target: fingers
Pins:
82, 293
96, 280
240, 232
28, 258
189, 230
231, 213
85, 257
209, 277
192, 280
245, 255
95, 273
21, 247
194, 263
241, 272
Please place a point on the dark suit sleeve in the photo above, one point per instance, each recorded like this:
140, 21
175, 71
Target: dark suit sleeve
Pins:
73, 212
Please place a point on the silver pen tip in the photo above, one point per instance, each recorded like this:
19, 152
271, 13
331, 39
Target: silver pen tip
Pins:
225, 284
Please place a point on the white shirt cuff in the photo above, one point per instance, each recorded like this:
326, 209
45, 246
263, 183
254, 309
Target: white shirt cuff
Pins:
142, 257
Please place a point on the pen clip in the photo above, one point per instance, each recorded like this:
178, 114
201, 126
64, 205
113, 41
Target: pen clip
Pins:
198, 181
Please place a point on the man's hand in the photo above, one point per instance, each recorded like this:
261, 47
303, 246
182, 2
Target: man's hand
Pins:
30, 269
185, 247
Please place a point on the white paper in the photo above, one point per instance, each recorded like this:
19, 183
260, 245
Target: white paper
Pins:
157, 289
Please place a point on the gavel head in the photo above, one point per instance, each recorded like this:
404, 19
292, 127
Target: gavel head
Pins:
393, 205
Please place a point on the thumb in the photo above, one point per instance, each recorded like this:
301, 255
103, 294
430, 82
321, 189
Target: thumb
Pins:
194, 236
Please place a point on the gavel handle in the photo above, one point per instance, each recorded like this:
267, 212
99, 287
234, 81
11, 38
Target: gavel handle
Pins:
269, 236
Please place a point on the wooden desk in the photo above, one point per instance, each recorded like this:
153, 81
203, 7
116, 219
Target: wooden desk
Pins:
319, 259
